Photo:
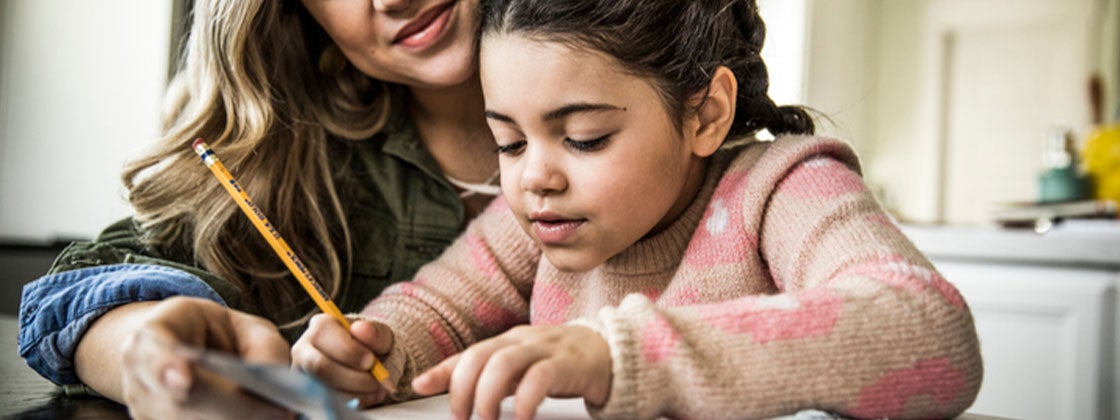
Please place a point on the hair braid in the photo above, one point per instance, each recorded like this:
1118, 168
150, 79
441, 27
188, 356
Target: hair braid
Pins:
755, 109
678, 45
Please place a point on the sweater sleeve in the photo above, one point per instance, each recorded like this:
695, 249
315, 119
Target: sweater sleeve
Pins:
478, 288
861, 323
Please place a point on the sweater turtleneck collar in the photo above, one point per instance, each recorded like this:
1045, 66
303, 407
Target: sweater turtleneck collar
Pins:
665, 250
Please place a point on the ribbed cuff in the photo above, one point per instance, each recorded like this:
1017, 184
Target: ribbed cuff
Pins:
628, 375
395, 363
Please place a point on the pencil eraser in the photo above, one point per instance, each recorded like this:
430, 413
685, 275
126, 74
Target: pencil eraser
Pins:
197, 142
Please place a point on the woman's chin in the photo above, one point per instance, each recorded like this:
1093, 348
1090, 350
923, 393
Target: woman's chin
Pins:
449, 73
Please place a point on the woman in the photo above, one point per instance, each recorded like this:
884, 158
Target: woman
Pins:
355, 125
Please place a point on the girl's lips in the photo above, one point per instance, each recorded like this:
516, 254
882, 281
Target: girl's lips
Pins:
426, 28
555, 232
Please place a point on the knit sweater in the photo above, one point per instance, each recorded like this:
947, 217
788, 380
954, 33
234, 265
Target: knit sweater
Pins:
783, 286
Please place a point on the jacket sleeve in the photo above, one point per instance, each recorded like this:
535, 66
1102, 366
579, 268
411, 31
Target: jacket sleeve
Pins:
89, 279
122, 243
57, 309
478, 288
862, 324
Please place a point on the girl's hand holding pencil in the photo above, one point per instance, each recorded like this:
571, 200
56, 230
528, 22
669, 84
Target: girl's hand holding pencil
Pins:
341, 358
270, 234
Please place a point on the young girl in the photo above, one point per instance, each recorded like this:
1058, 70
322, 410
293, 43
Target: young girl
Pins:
666, 268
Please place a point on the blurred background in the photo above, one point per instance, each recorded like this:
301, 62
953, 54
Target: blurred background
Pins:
958, 108
950, 103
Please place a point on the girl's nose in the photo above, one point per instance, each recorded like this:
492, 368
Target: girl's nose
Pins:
390, 5
541, 175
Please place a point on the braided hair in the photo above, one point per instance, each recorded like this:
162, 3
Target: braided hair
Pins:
678, 45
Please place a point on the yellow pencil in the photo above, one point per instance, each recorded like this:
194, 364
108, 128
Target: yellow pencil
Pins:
282, 249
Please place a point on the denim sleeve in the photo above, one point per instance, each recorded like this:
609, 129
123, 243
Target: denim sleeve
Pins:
55, 310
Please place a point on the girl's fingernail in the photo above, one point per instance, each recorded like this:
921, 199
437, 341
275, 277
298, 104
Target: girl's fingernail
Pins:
353, 403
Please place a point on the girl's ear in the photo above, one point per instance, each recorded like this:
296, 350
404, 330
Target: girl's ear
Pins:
717, 111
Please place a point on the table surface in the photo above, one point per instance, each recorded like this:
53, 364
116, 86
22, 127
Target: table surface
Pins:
25, 394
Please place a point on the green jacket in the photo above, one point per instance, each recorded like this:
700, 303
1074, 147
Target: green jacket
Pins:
403, 213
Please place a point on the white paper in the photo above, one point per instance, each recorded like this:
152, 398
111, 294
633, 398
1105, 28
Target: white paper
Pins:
437, 407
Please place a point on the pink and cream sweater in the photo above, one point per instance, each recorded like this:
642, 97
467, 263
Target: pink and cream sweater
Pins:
783, 287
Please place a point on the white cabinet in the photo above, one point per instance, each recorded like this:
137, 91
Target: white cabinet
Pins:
1043, 335
1046, 311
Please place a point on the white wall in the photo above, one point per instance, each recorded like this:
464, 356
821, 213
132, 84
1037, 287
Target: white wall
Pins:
824, 54
80, 90
841, 72
785, 48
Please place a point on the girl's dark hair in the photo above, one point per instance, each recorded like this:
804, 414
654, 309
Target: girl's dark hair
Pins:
678, 44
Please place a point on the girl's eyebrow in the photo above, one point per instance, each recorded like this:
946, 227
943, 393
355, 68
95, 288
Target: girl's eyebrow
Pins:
560, 112
570, 109
494, 115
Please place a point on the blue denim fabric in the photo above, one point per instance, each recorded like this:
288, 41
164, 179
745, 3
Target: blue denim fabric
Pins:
56, 309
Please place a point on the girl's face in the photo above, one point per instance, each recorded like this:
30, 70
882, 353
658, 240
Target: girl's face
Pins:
418, 43
591, 161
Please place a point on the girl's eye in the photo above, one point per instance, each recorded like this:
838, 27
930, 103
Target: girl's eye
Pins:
512, 149
588, 145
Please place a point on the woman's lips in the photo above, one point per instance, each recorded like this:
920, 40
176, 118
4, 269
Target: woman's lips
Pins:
554, 232
426, 28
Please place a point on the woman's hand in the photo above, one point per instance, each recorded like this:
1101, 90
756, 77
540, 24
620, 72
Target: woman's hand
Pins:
343, 359
158, 381
529, 362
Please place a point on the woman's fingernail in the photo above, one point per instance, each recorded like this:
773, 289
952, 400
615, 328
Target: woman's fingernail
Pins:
175, 380
353, 403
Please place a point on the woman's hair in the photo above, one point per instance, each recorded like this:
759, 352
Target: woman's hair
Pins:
249, 85
676, 44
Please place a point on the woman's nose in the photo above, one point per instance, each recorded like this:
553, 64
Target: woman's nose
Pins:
390, 5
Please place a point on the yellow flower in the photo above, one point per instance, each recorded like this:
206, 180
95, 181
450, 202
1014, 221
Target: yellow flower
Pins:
1101, 157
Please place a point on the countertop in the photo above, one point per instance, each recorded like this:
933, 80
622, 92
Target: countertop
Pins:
1093, 243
